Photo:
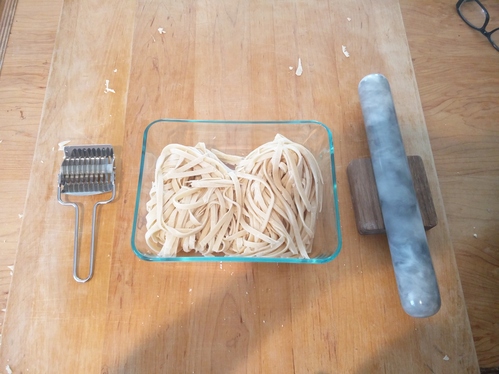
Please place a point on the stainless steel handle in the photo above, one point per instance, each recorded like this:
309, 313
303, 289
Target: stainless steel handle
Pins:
76, 251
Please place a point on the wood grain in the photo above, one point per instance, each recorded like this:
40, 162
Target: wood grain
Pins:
240, 317
445, 64
68, 114
458, 78
23, 80
7, 11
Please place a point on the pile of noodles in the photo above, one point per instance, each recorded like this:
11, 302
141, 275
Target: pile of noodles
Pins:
265, 204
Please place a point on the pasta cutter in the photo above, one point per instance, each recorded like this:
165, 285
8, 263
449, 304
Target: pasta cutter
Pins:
86, 170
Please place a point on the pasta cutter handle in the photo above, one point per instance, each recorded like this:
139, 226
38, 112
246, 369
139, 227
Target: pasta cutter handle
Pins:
76, 251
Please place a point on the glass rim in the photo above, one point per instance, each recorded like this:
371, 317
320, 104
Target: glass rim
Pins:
468, 22
482, 29
488, 34
323, 259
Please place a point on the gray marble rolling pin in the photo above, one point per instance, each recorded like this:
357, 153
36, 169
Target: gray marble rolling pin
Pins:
416, 280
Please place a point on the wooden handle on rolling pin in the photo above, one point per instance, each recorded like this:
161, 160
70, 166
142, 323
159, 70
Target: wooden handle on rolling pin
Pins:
416, 280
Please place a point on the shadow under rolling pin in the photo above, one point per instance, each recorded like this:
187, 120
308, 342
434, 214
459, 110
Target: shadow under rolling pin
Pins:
414, 272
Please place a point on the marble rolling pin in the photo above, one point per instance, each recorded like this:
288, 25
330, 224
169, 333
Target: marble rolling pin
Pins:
416, 280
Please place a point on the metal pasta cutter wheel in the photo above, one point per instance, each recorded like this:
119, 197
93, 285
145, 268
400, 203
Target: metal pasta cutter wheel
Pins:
86, 170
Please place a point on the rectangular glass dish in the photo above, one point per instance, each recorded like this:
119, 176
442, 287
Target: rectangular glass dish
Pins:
240, 138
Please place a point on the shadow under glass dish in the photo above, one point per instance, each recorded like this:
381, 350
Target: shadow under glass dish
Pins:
476, 16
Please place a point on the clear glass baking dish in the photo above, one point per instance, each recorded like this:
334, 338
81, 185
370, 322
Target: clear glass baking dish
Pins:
240, 138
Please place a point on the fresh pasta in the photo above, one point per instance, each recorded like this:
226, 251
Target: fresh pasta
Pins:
263, 205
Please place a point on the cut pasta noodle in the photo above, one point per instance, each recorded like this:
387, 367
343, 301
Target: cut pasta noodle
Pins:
263, 205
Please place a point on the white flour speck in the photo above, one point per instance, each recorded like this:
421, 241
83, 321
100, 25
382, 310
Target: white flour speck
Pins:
62, 144
107, 87
299, 69
345, 52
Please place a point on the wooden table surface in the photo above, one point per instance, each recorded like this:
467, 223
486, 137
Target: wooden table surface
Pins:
223, 61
